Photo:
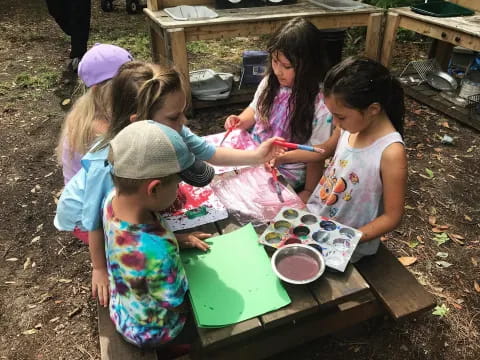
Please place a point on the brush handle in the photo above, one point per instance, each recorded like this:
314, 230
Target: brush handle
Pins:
298, 146
230, 129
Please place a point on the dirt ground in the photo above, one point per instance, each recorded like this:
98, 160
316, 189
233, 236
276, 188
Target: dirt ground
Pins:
46, 311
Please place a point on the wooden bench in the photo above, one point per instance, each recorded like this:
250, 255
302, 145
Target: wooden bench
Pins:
376, 285
169, 36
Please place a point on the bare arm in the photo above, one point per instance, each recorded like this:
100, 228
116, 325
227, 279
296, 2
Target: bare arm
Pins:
243, 121
394, 177
96, 245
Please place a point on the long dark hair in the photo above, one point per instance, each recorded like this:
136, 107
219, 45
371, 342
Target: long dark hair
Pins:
300, 42
360, 82
138, 88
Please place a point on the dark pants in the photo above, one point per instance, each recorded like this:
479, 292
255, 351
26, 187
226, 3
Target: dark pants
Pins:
73, 17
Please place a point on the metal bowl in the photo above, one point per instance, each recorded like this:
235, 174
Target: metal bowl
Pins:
305, 270
441, 80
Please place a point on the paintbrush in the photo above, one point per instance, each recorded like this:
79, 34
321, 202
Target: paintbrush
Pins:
277, 184
230, 129
298, 146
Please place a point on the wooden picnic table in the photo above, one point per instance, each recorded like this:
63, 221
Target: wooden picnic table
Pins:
377, 285
169, 36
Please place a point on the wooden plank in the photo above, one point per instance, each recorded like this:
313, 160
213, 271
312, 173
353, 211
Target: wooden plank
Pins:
373, 41
171, 3
440, 104
394, 285
389, 38
112, 345
457, 37
178, 48
463, 24
309, 328
154, 5
336, 287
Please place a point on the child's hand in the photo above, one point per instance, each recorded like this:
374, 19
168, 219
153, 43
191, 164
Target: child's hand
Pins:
234, 121
304, 195
193, 240
100, 286
268, 150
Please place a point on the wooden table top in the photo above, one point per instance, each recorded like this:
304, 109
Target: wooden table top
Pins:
330, 289
466, 24
256, 14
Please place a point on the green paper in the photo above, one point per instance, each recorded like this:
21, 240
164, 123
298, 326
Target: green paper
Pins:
233, 281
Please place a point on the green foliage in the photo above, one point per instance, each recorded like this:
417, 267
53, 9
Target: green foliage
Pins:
137, 44
43, 78
441, 310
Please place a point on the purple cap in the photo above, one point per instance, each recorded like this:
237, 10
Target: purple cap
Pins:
101, 63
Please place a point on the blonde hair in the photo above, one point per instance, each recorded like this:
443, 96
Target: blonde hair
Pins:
78, 130
139, 88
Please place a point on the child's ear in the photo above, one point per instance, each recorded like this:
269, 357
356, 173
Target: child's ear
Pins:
153, 186
133, 118
374, 109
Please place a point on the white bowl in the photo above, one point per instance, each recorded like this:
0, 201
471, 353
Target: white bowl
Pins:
307, 256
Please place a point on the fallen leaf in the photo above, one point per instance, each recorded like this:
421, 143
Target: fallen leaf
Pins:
443, 264
474, 261
437, 149
407, 260
455, 239
420, 239
65, 281
413, 244
432, 220
445, 124
429, 173
12, 259
27, 263
476, 286
442, 255
39, 227
459, 237
468, 218
443, 227
456, 306
29, 332
408, 207
437, 230
65, 102
55, 319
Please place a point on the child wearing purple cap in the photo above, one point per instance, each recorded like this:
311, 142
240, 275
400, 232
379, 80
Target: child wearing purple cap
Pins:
90, 114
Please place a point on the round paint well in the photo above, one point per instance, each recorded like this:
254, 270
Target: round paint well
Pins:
316, 247
320, 236
298, 267
301, 231
341, 244
349, 233
328, 225
334, 260
308, 219
290, 214
282, 226
292, 240
273, 238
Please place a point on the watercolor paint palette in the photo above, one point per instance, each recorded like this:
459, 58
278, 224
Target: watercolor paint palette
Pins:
293, 226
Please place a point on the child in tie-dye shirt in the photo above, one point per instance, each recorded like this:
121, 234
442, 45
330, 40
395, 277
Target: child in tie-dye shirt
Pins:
147, 279
289, 103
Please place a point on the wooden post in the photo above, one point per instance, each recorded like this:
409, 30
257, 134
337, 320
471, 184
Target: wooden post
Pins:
158, 46
389, 38
442, 52
374, 36
178, 47
155, 5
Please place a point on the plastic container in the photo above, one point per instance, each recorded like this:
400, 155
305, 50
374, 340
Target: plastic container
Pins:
186, 12
338, 4
441, 9
208, 85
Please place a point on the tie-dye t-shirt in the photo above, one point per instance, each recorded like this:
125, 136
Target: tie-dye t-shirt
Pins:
146, 277
350, 190
279, 125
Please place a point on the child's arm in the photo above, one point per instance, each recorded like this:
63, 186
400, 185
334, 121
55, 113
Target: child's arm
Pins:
243, 121
393, 170
295, 156
193, 240
100, 284
312, 177
234, 157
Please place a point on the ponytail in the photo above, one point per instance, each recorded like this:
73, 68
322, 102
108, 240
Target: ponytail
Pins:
360, 82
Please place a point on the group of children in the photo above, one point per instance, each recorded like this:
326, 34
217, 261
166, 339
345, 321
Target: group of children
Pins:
126, 141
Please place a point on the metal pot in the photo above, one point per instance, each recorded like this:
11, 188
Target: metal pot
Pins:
441, 80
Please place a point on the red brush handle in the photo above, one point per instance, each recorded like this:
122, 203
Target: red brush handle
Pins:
286, 144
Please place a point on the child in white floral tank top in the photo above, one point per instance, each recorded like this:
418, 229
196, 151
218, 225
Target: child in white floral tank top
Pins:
364, 186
